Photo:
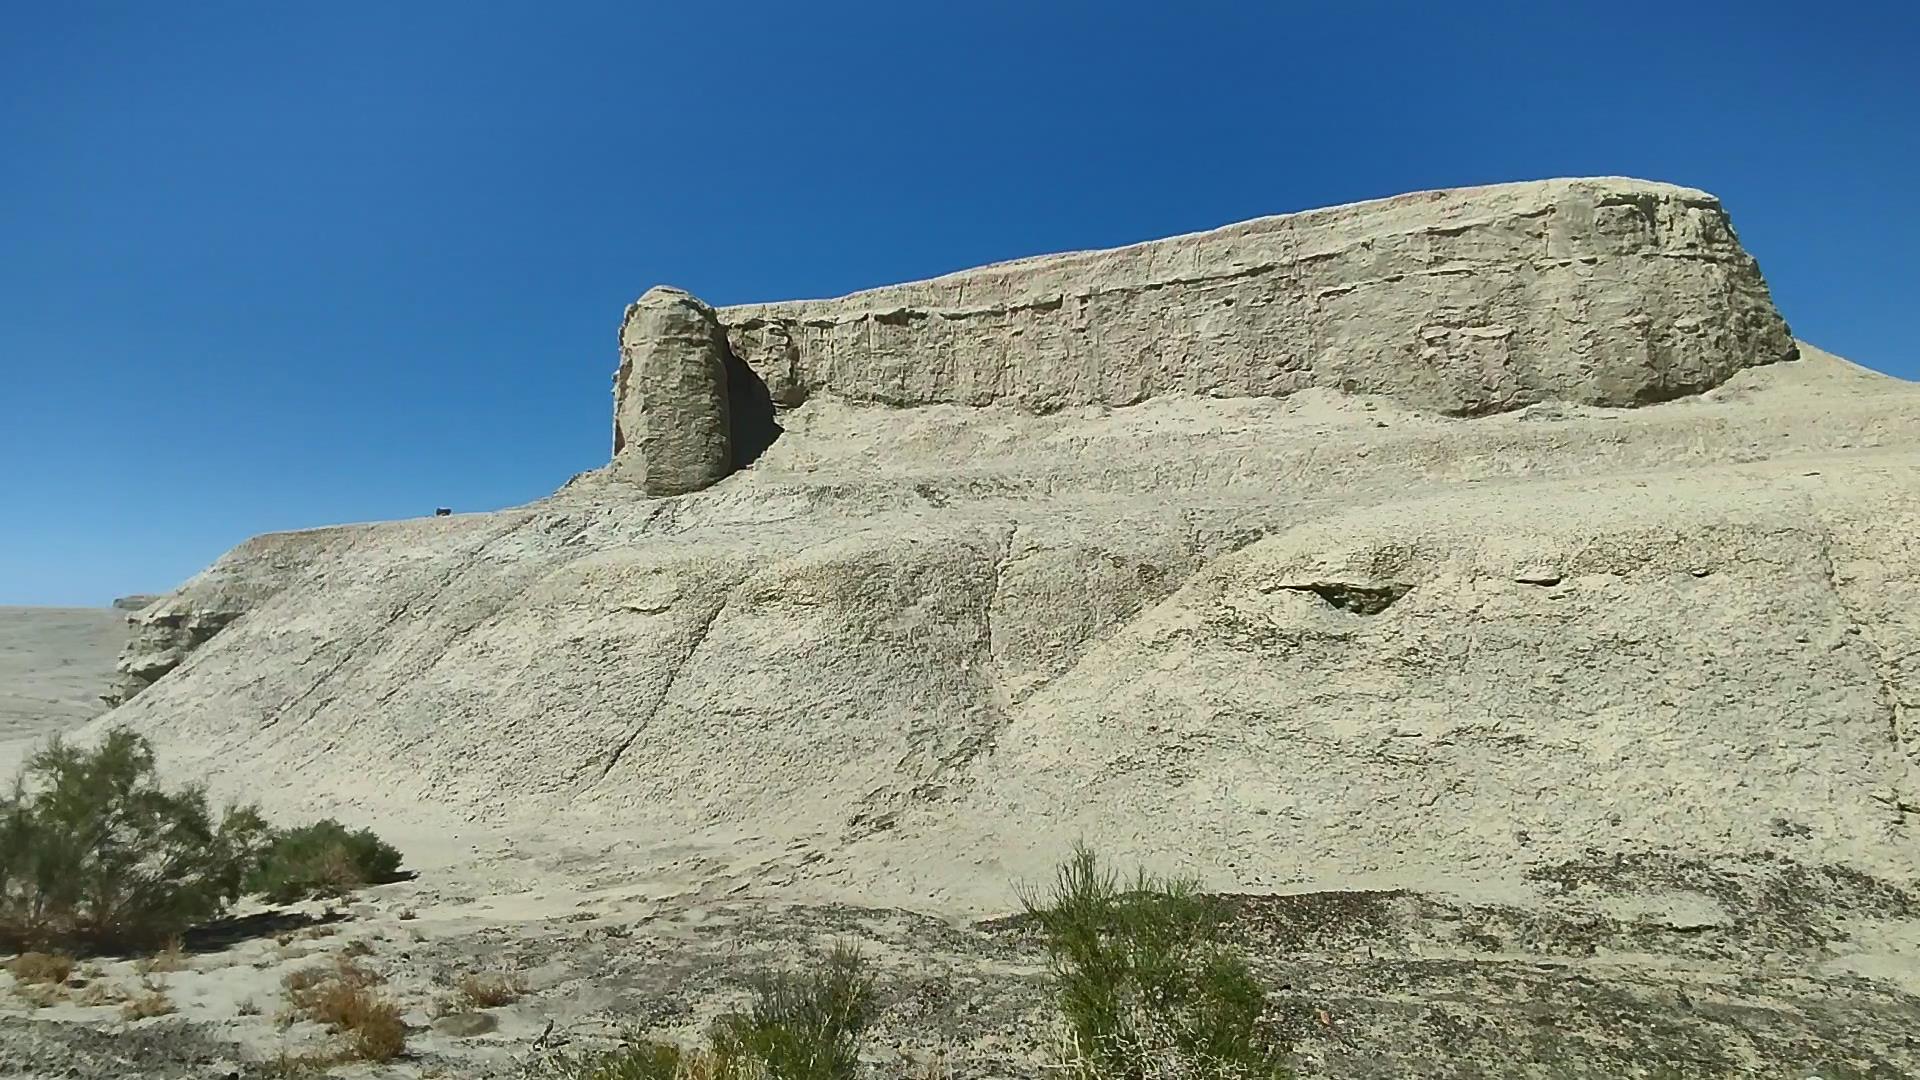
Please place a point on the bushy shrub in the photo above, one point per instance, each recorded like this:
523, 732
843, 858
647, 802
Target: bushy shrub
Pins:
325, 859
1145, 985
94, 851
803, 1025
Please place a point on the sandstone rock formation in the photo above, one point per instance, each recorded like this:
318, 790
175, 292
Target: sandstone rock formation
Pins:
671, 429
1466, 302
1439, 538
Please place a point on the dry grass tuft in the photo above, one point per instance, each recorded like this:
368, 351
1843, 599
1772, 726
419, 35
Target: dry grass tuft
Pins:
342, 998
172, 957
98, 993
40, 995
39, 967
487, 991
152, 1000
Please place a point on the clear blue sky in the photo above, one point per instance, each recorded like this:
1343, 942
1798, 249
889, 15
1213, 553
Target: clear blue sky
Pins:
267, 266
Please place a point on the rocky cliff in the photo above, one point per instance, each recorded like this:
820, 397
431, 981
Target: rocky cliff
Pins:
1436, 538
1462, 302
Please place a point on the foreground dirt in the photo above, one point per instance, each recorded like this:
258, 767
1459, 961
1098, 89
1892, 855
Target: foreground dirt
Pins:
1618, 967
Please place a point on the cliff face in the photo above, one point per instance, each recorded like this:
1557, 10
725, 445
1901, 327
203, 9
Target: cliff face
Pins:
1289, 615
1462, 302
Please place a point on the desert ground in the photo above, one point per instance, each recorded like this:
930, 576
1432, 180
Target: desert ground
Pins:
54, 665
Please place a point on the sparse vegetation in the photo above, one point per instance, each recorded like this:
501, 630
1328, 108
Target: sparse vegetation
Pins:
801, 1025
490, 990
170, 957
1145, 985
95, 854
325, 859
342, 998
93, 851
40, 995
39, 967
152, 1000
641, 1059
98, 992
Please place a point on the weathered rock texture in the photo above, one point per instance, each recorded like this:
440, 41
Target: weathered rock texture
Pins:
1465, 302
672, 432
912, 652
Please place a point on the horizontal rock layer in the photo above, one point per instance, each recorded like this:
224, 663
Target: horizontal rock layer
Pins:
1467, 301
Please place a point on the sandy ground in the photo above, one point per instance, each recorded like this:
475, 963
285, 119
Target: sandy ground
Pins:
54, 663
1610, 970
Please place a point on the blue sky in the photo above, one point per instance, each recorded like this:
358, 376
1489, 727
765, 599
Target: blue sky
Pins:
267, 266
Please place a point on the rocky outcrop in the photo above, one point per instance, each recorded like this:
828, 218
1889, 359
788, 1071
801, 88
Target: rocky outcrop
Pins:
167, 630
1463, 302
161, 642
672, 432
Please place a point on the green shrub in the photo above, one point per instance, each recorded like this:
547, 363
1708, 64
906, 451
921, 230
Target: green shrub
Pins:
94, 852
804, 1025
1145, 985
325, 859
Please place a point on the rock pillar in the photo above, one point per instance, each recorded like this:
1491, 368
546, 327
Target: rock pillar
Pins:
671, 429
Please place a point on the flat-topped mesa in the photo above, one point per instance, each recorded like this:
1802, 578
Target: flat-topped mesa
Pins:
1464, 302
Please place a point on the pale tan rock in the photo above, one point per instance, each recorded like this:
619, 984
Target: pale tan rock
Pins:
672, 431
1466, 302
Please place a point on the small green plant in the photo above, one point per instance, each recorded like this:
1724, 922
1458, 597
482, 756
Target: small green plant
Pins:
802, 1025
1145, 985
94, 852
324, 859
